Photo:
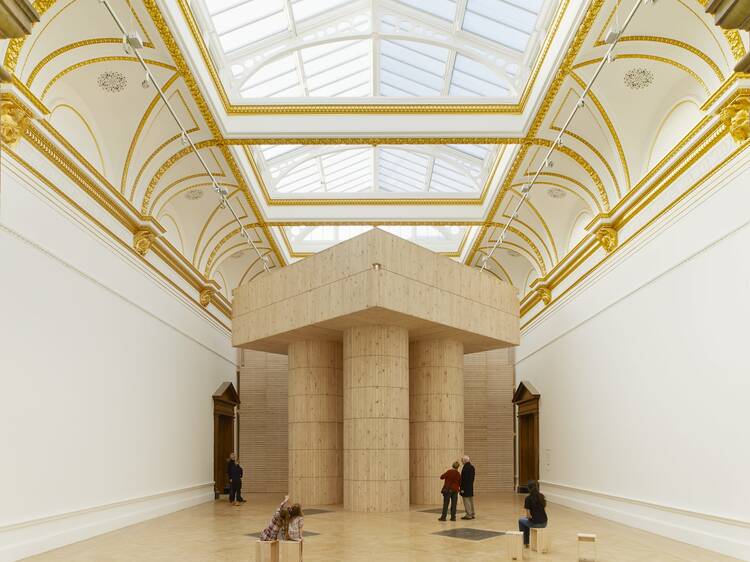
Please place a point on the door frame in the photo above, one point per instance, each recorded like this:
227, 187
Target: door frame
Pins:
526, 400
226, 400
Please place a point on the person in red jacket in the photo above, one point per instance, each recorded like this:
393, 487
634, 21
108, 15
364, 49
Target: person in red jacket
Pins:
451, 486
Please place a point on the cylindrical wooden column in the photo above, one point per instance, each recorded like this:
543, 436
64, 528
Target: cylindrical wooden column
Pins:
376, 418
315, 422
436, 408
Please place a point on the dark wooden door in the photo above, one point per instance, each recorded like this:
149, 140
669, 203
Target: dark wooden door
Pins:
528, 450
223, 447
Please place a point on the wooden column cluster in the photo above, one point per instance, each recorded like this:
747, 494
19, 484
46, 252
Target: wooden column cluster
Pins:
436, 410
315, 422
376, 418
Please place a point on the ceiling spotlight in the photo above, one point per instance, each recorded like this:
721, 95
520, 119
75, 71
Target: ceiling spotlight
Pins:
184, 137
484, 260
612, 36
525, 188
559, 141
146, 84
581, 103
610, 57
548, 163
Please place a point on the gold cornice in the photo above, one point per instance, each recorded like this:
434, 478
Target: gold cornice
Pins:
723, 89
103, 228
29, 94
369, 108
374, 141
78, 65
706, 144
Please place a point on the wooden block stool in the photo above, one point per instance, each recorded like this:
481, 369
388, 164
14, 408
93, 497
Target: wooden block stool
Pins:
266, 551
540, 540
513, 545
586, 539
290, 551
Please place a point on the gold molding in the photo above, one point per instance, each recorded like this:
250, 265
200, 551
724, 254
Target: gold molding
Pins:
373, 108
607, 238
736, 119
142, 241
29, 95
544, 293
14, 121
224, 308
87, 62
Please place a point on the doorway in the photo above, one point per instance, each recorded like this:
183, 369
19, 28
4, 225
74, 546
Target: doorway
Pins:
226, 400
526, 399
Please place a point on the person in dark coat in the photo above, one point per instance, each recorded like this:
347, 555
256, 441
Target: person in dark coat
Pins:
467, 487
451, 486
234, 471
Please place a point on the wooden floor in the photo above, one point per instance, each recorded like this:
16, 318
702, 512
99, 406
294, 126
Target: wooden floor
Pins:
219, 532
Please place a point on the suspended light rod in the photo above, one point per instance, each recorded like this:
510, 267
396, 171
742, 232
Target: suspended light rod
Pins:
131, 42
608, 57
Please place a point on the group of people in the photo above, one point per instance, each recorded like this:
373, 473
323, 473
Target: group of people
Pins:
287, 521
455, 483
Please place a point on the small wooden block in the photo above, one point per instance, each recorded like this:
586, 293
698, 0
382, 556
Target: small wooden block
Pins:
513, 545
290, 551
266, 551
586, 538
540, 541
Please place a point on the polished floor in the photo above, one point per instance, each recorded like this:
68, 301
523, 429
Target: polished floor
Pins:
219, 532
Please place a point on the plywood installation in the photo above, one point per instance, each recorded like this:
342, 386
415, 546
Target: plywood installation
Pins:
315, 422
262, 421
375, 293
376, 418
436, 413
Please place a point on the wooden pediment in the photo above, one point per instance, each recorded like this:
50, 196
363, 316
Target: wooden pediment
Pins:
525, 393
227, 394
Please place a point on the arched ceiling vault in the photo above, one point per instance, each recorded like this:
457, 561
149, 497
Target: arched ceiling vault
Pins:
668, 64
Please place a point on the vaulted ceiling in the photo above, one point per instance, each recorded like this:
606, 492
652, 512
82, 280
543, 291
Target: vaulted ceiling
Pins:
323, 118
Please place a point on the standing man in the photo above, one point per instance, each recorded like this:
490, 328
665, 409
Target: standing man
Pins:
467, 487
234, 471
451, 486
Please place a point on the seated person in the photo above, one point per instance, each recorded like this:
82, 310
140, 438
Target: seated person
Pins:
536, 516
291, 529
280, 518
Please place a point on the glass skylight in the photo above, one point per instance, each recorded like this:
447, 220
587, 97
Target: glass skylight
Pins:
380, 171
309, 239
297, 49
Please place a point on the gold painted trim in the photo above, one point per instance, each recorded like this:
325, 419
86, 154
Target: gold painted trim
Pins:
88, 128
139, 129
374, 108
103, 228
29, 94
654, 58
724, 88
88, 62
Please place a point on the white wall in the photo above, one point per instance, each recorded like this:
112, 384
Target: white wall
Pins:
106, 377
645, 379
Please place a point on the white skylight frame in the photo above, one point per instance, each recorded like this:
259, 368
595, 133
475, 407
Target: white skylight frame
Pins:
302, 239
371, 172
365, 49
